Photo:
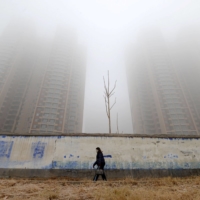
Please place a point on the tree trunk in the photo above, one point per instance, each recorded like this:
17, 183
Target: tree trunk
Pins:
107, 95
109, 121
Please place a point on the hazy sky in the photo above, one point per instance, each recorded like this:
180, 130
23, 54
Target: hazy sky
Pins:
106, 28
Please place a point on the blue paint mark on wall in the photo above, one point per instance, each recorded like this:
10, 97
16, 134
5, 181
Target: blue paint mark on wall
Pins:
38, 149
5, 149
113, 165
48, 166
70, 156
171, 156
107, 156
85, 165
54, 163
64, 156
187, 165
118, 165
63, 165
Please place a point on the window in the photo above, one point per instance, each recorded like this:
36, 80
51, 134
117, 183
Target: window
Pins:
168, 87
53, 109
50, 127
181, 116
177, 128
52, 115
183, 121
47, 109
46, 115
43, 126
179, 110
54, 91
73, 105
185, 127
59, 128
175, 105
175, 122
48, 104
44, 120
55, 105
171, 111
52, 121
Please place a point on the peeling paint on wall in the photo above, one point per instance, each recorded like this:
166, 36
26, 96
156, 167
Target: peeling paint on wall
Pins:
68, 152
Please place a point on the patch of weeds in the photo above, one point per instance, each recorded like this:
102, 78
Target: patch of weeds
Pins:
53, 196
63, 184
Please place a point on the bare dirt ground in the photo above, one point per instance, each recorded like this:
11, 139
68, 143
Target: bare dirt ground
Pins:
127, 189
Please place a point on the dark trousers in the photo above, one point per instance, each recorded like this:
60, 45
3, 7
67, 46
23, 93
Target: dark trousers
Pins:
96, 176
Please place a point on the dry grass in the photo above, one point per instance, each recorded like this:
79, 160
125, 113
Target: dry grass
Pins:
127, 189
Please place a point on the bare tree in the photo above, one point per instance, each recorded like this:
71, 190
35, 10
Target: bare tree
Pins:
107, 94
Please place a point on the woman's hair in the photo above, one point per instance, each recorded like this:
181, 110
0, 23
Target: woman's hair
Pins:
98, 149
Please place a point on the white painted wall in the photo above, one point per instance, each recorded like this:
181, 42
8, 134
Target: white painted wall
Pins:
77, 152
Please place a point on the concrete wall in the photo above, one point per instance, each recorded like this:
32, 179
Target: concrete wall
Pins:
78, 152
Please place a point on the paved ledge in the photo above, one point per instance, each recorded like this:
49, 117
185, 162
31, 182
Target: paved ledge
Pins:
102, 135
89, 174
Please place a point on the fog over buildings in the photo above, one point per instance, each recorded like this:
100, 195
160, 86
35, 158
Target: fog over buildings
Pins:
150, 47
42, 85
164, 93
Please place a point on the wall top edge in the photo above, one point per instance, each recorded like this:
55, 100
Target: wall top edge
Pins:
100, 135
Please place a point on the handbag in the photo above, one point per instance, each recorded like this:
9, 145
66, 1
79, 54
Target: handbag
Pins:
99, 171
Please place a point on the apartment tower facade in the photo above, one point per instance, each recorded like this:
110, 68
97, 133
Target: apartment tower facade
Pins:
17, 60
159, 102
42, 82
59, 107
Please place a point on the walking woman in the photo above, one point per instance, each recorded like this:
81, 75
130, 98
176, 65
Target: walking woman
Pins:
100, 162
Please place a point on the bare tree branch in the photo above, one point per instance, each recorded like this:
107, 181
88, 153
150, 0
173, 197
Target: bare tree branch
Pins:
107, 95
113, 104
106, 91
104, 96
112, 94
113, 88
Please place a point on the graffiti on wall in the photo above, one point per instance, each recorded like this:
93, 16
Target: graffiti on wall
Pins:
38, 149
78, 152
5, 149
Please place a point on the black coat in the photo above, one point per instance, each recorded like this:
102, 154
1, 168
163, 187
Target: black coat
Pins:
99, 159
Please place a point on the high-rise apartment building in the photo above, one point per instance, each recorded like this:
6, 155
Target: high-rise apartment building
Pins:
186, 58
17, 61
158, 99
59, 107
42, 84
